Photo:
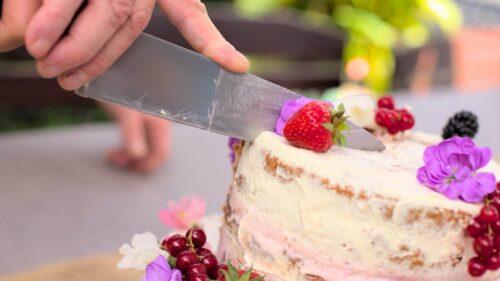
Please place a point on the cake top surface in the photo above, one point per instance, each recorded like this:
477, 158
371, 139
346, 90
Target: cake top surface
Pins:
391, 173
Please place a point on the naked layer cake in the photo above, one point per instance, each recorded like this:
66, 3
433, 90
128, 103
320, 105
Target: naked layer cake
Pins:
346, 214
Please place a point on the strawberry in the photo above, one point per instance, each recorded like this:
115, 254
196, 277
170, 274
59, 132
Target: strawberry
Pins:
316, 126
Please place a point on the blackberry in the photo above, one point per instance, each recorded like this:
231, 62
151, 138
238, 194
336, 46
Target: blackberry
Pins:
463, 123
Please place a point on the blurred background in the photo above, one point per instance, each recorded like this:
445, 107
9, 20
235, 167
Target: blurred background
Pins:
60, 201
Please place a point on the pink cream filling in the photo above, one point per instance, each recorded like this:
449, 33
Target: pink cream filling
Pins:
328, 268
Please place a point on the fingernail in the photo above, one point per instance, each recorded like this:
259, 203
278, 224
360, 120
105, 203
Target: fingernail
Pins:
40, 48
50, 71
74, 80
242, 61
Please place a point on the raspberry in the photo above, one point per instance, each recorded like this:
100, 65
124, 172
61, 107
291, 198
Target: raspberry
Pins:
394, 120
407, 121
393, 130
386, 102
380, 116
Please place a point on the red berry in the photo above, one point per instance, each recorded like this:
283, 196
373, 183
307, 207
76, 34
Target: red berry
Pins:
197, 236
221, 267
496, 241
387, 118
196, 269
380, 116
393, 130
475, 267
252, 275
216, 273
493, 262
496, 227
386, 102
498, 185
483, 246
184, 260
305, 129
494, 194
197, 277
209, 261
488, 214
476, 229
213, 274
391, 119
495, 200
406, 121
203, 251
175, 244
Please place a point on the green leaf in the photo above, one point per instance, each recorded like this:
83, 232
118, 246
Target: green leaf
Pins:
329, 126
260, 278
246, 276
339, 139
342, 127
341, 109
232, 274
342, 140
172, 261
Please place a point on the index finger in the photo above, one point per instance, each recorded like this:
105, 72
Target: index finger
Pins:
14, 18
192, 20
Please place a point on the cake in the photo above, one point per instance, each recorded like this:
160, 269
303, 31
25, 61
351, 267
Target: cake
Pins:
345, 214
304, 205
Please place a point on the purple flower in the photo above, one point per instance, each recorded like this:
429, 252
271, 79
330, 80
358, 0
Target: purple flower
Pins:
159, 270
288, 109
451, 169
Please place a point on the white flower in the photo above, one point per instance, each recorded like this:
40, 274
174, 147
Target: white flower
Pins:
361, 112
361, 109
144, 249
359, 104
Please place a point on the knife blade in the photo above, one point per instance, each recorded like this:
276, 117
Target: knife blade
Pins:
162, 79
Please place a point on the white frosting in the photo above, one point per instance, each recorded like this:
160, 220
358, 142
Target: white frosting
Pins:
345, 215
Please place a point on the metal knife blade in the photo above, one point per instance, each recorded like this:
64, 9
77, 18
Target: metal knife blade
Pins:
162, 79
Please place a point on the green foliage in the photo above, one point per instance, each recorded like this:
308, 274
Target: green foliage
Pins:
49, 116
172, 261
374, 27
339, 124
232, 274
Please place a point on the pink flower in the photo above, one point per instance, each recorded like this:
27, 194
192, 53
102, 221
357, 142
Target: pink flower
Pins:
183, 214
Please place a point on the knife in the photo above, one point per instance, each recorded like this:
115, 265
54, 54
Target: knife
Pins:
162, 79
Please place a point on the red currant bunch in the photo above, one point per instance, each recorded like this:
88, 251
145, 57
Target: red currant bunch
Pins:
394, 120
197, 263
188, 255
485, 229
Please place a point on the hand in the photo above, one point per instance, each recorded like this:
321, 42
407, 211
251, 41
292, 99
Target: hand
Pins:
14, 20
145, 140
106, 28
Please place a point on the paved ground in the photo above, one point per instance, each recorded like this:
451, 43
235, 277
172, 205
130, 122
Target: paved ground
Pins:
58, 200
